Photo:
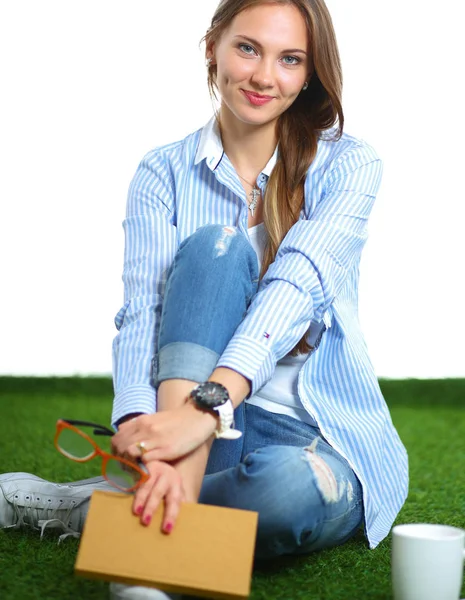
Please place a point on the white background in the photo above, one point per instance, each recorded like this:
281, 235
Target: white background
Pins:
89, 86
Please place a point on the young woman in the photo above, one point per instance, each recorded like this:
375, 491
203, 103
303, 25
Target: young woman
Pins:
241, 375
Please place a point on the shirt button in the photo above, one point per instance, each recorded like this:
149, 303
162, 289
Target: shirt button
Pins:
262, 177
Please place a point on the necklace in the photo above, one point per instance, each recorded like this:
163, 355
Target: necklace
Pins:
255, 193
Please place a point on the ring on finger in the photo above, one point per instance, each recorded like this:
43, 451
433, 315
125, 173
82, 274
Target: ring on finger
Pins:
142, 447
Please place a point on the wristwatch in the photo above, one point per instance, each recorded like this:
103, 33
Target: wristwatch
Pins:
214, 397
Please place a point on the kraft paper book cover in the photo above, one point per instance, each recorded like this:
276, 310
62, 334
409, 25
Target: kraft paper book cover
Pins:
209, 552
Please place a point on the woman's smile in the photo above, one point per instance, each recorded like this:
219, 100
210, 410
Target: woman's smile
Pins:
256, 99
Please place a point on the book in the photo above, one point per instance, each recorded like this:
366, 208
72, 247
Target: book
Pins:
209, 553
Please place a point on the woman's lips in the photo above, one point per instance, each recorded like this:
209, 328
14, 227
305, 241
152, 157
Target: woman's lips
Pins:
256, 99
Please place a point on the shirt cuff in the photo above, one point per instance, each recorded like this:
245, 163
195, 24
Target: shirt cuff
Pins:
134, 399
252, 360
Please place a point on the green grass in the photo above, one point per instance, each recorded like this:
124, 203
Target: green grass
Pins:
429, 416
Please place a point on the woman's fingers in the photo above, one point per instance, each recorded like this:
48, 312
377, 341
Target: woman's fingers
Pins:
142, 494
157, 493
160, 453
173, 501
164, 484
168, 435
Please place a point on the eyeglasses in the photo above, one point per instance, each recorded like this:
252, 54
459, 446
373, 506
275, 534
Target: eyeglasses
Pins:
78, 446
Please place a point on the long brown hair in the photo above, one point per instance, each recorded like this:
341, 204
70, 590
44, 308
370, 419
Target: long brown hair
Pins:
299, 128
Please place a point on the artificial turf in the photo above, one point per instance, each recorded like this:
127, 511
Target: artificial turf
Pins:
430, 418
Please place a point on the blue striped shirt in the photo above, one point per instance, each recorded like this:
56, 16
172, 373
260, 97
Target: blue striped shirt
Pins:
184, 185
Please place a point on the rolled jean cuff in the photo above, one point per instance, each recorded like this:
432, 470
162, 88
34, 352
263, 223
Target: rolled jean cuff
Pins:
185, 360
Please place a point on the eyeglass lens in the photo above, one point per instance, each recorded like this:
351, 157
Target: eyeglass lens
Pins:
119, 474
74, 445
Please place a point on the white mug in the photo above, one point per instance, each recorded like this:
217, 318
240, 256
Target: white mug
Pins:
427, 562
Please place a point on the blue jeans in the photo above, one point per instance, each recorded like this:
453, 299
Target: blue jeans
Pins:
305, 493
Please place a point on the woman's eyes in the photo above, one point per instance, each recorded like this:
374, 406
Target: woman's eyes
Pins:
244, 48
248, 49
294, 58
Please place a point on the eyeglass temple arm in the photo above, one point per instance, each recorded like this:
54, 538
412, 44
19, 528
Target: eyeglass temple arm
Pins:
99, 429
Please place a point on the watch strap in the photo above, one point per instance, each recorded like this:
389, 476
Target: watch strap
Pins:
225, 429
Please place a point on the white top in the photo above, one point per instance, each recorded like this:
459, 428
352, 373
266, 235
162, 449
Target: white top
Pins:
280, 394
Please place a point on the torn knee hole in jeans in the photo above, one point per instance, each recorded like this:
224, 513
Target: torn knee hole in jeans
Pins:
224, 241
325, 478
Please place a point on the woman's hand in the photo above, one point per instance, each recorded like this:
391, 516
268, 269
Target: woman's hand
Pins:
166, 435
164, 484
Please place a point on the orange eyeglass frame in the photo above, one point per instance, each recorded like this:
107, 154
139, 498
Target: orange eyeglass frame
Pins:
98, 430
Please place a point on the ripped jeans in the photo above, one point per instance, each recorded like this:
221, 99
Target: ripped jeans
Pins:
305, 493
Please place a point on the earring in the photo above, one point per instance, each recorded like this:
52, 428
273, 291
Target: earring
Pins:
305, 86
209, 62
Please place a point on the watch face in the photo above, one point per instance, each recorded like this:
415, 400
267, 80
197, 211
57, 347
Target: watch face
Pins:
210, 394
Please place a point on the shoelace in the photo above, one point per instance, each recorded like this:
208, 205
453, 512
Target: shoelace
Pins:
57, 523
33, 515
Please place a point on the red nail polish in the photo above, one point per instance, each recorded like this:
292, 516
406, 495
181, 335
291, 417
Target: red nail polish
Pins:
147, 519
168, 527
139, 510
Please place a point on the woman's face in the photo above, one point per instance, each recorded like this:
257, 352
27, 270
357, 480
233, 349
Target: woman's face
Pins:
264, 51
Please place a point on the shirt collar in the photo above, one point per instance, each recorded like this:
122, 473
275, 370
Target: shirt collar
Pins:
211, 148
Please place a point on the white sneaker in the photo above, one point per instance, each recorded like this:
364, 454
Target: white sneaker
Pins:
27, 500
118, 591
